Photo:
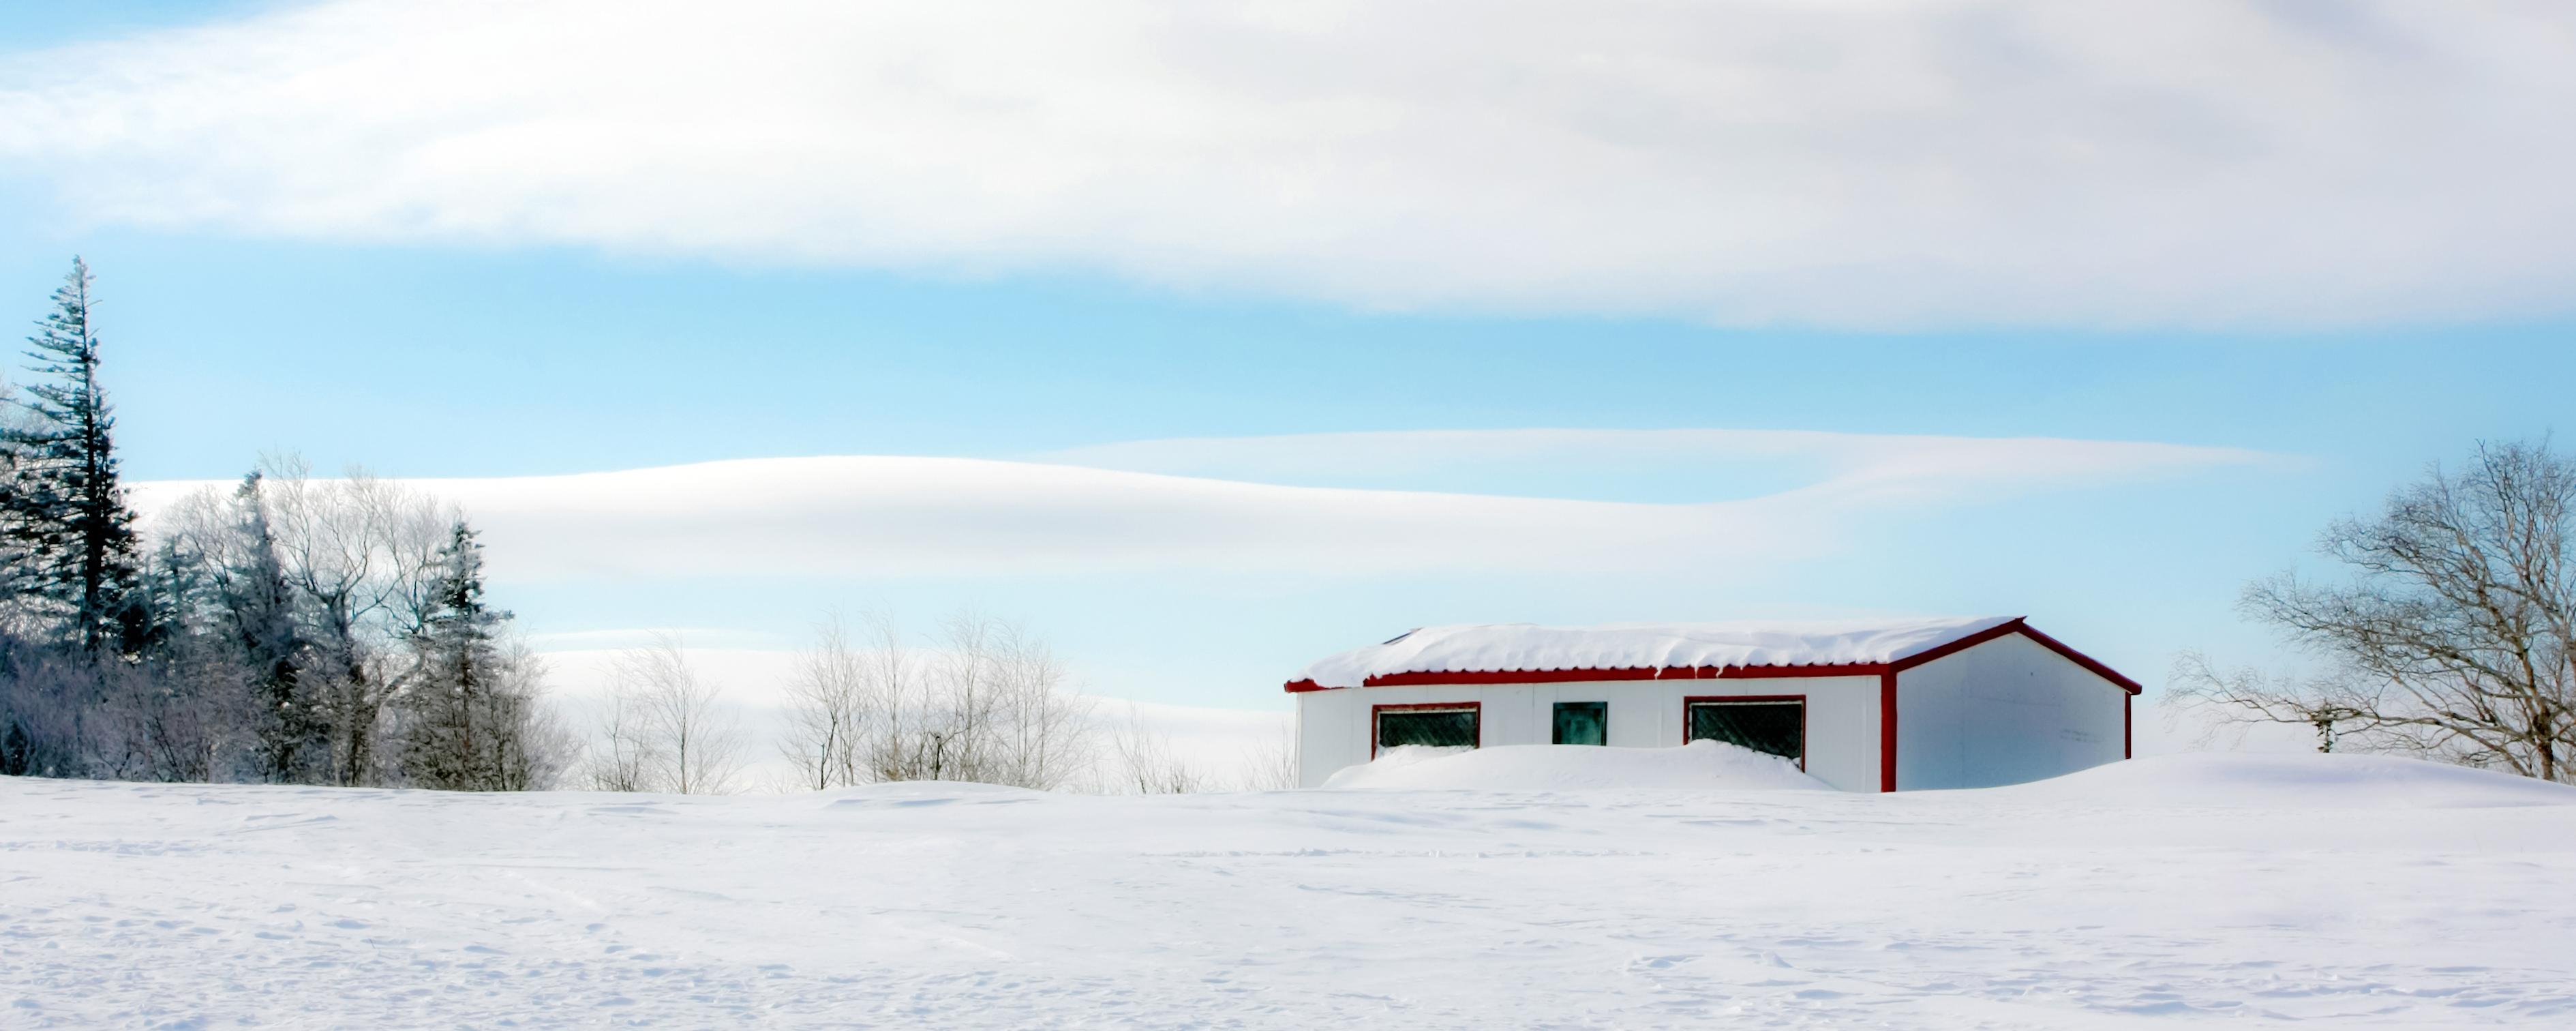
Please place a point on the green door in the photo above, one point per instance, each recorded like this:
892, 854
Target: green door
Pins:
1582, 723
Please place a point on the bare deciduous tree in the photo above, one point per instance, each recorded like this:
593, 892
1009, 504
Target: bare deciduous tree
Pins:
1272, 765
1033, 731
831, 711
666, 728
229, 628
362, 554
989, 703
615, 760
2453, 637
1145, 763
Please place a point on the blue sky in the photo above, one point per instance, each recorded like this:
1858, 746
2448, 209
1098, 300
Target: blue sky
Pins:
367, 286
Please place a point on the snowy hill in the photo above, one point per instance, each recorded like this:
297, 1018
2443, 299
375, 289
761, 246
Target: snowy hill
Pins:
2195, 890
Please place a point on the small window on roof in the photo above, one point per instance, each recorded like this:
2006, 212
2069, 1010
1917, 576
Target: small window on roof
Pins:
1582, 723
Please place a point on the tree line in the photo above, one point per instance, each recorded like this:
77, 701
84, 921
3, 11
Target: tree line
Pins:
289, 630
298, 630
982, 700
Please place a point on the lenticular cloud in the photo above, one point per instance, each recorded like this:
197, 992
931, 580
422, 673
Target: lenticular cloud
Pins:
877, 515
1877, 164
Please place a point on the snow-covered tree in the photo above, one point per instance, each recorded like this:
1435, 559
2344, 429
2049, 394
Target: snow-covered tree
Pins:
297, 631
470, 715
362, 556
229, 618
451, 739
258, 621
19, 606
68, 517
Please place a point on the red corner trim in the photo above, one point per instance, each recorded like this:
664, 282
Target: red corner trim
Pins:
2128, 723
1887, 731
1295, 686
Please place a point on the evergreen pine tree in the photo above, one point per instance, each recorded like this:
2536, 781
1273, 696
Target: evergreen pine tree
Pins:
19, 525
17, 751
463, 719
68, 511
257, 613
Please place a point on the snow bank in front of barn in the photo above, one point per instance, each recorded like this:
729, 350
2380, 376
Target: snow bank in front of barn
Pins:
912, 793
2306, 781
1700, 764
952, 905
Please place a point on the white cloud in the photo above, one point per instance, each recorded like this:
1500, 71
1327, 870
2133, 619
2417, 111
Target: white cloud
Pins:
899, 516
1850, 163
1840, 465
872, 516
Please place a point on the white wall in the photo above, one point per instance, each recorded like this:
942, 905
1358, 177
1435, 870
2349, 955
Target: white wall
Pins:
1842, 718
2004, 712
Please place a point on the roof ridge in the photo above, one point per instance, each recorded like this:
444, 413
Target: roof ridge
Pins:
1493, 652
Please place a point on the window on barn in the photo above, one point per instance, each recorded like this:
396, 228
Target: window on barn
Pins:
1582, 723
1768, 725
1435, 726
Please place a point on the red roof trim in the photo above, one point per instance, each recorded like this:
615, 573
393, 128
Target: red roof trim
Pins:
1589, 674
1906, 662
1846, 669
2081, 659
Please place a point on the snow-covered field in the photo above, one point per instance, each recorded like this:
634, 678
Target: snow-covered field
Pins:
2192, 889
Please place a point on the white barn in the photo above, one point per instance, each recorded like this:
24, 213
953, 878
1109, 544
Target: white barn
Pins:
1875, 706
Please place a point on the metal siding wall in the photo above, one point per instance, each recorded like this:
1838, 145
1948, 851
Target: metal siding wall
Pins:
1842, 724
1330, 725
2004, 712
1842, 718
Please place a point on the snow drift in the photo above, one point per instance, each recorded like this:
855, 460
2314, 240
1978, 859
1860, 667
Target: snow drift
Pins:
2312, 782
2113, 899
1700, 764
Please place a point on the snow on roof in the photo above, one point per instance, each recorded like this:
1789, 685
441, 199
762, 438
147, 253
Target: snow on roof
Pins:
1499, 647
